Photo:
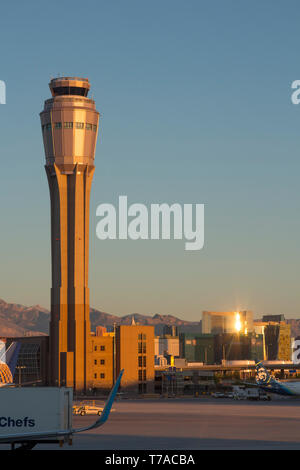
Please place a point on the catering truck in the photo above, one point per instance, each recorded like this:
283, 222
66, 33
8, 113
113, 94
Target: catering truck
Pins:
246, 393
32, 415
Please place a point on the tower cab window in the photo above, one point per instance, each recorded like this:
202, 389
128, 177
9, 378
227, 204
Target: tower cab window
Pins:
70, 90
68, 125
88, 127
79, 125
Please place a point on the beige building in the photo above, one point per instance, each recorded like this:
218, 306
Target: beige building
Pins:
227, 322
166, 345
135, 354
101, 362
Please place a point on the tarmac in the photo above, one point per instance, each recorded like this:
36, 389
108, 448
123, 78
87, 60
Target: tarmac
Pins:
196, 423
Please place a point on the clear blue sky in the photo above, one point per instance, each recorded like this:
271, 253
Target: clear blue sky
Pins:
196, 108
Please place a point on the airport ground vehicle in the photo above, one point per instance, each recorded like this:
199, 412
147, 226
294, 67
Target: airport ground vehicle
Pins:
32, 415
247, 393
218, 395
264, 396
243, 393
88, 408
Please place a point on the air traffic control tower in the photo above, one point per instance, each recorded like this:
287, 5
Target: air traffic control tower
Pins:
69, 126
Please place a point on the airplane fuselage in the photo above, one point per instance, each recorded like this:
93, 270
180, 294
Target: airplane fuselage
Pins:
282, 388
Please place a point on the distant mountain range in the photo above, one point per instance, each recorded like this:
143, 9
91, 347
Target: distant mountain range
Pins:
19, 320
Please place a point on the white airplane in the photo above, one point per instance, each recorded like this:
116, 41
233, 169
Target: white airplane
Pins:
267, 383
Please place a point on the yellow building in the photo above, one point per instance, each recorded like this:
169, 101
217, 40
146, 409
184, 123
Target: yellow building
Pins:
135, 354
284, 342
101, 361
277, 339
227, 322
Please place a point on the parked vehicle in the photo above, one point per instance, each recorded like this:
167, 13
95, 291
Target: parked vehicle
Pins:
218, 395
252, 394
264, 396
88, 408
83, 410
248, 393
239, 393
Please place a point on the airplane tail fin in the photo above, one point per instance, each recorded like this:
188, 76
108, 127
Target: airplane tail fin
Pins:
262, 375
107, 408
12, 354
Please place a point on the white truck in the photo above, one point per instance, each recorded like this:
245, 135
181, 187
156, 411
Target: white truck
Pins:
31, 415
248, 393
239, 393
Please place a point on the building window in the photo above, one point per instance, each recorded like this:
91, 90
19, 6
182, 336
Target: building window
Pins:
144, 375
57, 125
88, 126
95, 376
94, 127
142, 361
95, 361
95, 349
102, 376
68, 125
102, 362
29, 363
79, 125
102, 348
140, 375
